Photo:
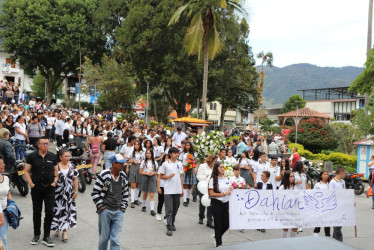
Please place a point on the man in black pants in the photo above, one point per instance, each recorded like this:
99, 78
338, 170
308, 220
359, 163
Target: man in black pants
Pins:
43, 166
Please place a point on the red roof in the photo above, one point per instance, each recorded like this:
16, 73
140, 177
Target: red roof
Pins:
365, 142
305, 112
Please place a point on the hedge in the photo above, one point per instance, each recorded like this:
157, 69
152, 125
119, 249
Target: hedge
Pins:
338, 159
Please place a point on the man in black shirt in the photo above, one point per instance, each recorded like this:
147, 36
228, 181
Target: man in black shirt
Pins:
43, 166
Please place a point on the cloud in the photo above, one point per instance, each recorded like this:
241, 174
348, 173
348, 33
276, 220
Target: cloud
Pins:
321, 32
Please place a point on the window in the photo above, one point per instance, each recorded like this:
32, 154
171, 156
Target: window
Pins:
9, 61
213, 106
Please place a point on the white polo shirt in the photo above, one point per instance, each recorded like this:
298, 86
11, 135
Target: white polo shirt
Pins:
335, 184
172, 185
223, 186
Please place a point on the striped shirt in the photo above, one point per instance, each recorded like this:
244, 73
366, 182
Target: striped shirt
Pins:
102, 183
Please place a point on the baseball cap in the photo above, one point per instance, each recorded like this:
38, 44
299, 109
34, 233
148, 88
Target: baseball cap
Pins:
117, 158
3, 131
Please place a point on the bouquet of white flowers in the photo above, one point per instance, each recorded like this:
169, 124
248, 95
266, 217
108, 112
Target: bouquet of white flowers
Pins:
209, 144
229, 172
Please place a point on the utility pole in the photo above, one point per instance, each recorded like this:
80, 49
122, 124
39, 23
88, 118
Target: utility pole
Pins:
370, 29
80, 73
296, 121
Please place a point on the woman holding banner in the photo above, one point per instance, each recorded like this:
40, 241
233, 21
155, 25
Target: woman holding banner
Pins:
322, 184
219, 191
288, 183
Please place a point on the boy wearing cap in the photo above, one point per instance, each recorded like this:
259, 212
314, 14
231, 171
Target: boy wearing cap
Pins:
110, 195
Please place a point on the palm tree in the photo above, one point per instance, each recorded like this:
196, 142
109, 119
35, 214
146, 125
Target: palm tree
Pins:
268, 60
202, 34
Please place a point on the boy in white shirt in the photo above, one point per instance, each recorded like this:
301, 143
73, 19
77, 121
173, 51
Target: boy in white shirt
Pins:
338, 183
172, 173
260, 166
237, 178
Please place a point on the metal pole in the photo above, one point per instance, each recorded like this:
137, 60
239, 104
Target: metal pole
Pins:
80, 72
197, 108
95, 101
147, 118
296, 123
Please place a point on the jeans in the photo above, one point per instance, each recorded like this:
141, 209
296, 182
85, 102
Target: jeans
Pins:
40, 194
172, 202
327, 231
220, 213
19, 150
107, 156
4, 231
110, 228
337, 234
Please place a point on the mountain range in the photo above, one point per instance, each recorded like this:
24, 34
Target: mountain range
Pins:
281, 83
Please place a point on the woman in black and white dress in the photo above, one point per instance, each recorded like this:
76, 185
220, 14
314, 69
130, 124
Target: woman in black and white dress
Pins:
64, 211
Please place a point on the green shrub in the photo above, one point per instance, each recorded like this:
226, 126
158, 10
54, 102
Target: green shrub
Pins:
338, 159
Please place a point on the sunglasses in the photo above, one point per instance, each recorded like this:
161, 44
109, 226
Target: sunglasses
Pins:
44, 144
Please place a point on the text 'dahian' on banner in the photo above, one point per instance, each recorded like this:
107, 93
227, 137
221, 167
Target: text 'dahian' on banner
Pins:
265, 209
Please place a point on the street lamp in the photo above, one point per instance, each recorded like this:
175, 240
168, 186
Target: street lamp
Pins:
147, 107
296, 121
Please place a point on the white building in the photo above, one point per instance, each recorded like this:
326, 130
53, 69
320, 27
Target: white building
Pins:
12, 72
335, 102
232, 118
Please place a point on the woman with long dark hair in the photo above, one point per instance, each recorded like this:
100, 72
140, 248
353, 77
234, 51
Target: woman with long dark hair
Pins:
300, 176
288, 183
219, 191
189, 177
136, 157
246, 170
148, 179
109, 147
323, 183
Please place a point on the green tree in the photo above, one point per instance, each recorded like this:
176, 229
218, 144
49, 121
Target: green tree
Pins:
159, 106
47, 35
266, 124
345, 135
116, 88
38, 85
155, 53
364, 118
232, 72
291, 104
364, 83
202, 35
266, 60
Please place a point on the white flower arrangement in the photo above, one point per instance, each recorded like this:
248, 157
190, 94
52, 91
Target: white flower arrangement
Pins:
210, 144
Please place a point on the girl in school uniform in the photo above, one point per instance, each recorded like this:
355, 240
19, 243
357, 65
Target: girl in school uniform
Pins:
230, 159
245, 165
136, 157
322, 184
158, 150
300, 176
189, 177
148, 179
147, 145
219, 190
288, 183
168, 145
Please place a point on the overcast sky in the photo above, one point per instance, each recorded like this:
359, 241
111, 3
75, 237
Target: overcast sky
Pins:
320, 32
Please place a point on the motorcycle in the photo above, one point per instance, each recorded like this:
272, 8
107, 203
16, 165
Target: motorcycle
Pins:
354, 181
312, 174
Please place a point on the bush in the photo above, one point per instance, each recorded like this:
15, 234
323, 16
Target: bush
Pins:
314, 134
338, 159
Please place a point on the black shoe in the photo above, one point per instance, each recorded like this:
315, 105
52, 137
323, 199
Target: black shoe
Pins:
201, 221
210, 225
194, 199
132, 204
263, 230
169, 232
35, 240
258, 230
372, 206
153, 213
48, 242
185, 204
173, 228
144, 209
188, 201
137, 203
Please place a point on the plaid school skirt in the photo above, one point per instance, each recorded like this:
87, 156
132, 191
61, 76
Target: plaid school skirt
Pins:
189, 178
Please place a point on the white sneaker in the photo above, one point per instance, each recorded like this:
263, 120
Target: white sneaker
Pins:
158, 216
214, 239
315, 234
165, 222
300, 229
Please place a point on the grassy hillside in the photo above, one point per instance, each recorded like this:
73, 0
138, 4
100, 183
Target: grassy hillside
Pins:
281, 83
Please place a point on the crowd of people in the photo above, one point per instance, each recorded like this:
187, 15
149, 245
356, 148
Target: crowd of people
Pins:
139, 163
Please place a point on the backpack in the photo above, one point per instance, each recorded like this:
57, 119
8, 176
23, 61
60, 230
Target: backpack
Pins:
13, 214
94, 147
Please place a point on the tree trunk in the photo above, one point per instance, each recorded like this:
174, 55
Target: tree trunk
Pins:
205, 73
222, 119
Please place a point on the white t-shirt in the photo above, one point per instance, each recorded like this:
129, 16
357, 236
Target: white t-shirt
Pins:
245, 162
138, 156
274, 171
231, 160
126, 150
335, 184
157, 151
4, 190
223, 186
238, 180
159, 171
282, 188
178, 138
259, 168
299, 177
321, 185
172, 185
148, 166
22, 128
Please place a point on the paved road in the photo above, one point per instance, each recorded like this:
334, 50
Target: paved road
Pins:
142, 231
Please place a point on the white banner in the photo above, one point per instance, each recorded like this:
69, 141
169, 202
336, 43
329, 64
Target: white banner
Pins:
265, 209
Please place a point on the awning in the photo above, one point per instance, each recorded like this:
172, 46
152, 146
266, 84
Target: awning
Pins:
198, 124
